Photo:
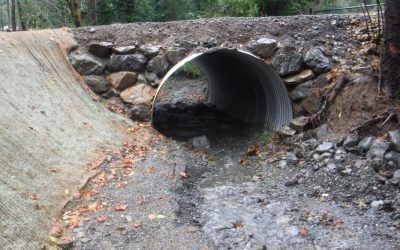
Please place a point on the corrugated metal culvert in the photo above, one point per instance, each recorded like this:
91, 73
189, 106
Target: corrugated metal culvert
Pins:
242, 85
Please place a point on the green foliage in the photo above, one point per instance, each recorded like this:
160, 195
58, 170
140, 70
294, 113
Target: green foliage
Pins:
192, 71
56, 13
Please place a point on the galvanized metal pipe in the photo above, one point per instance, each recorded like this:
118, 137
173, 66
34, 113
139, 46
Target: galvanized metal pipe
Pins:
243, 86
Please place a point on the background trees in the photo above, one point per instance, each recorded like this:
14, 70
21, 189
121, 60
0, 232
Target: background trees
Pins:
36, 14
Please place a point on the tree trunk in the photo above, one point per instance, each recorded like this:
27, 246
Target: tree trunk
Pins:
390, 61
8, 15
77, 13
21, 15
93, 13
13, 16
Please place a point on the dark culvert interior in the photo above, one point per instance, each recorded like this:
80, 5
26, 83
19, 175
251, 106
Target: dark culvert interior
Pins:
217, 92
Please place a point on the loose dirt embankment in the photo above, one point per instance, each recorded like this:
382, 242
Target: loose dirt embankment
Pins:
49, 131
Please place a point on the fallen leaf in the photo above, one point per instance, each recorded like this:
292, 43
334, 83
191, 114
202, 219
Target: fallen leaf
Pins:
150, 170
56, 232
137, 224
76, 195
237, 226
303, 231
122, 230
169, 175
141, 200
33, 197
121, 184
85, 193
101, 218
183, 174
253, 150
120, 207
153, 217
67, 192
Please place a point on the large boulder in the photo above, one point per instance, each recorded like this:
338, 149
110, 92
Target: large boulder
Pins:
133, 62
149, 50
158, 65
394, 137
175, 55
138, 94
264, 47
122, 80
301, 91
101, 49
87, 64
288, 61
97, 84
315, 59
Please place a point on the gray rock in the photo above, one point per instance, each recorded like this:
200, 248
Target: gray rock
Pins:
393, 157
365, 144
97, 84
324, 132
158, 65
294, 180
351, 141
140, 112
149, 50
141, 79
264, 47
87, 64
377, 163
315, 59
396, 178
282, 164
299, 93
377, 204
290, 157
331, 167
200, 142
124, 50
175, 55
325, 155
378, 148
122, 80
299, 123
324, 147
102, 49
301, 77
286, 131
394, 137
133, 62
287, 61
152, 79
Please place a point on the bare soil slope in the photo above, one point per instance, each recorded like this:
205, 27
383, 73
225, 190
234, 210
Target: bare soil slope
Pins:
50, 130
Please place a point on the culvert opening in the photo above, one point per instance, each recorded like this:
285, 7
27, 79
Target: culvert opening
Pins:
220, 91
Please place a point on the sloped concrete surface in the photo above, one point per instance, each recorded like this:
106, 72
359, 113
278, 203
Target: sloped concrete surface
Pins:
50, 130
